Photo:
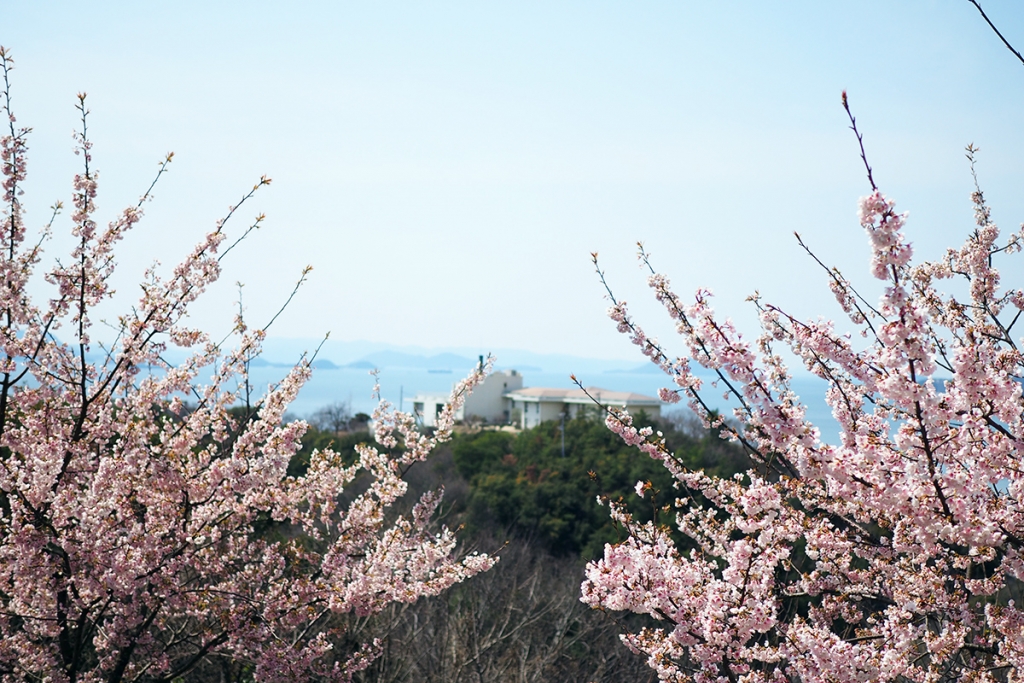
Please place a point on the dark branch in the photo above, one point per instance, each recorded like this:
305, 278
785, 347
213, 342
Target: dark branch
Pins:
860, 141
993, 27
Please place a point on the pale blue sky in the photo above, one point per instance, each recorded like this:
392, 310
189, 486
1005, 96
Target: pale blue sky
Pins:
447, 167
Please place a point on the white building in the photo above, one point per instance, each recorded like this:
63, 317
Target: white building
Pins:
529, 407
487, 402
501, 399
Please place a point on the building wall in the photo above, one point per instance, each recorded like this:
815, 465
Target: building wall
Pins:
551, 410
652, 411
531, 414
427, 406
577, 409
488, 401
534, 412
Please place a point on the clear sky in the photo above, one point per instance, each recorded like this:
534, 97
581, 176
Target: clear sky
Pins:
447, 168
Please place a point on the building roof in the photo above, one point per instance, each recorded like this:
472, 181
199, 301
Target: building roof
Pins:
578, 396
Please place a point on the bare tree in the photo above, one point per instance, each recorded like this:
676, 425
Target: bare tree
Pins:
523, 624
335, 417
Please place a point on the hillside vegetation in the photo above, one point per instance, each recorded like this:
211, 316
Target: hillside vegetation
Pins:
521, 496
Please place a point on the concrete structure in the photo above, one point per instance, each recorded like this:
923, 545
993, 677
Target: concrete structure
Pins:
487, 402
426, 408
529, 407
488, 399
501, 399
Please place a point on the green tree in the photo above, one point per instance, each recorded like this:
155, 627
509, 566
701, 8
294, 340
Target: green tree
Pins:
523, 485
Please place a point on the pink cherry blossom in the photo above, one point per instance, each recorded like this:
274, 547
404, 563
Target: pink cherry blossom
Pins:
140, 535
893, 554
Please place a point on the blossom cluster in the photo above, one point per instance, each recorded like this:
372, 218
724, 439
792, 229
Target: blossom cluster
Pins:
148, 521
894, 554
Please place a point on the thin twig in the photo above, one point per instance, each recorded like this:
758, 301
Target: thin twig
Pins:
993, 27
860, 141
302, 280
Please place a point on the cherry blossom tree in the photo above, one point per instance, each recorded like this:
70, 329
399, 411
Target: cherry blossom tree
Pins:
148, 527
893, 554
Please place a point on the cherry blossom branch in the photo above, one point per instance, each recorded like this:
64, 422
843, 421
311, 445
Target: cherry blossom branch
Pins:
891, 555
302, 279
132, 526
842, 286
860, 142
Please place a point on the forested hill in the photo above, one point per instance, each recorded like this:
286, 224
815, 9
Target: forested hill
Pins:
536, 505
535, 485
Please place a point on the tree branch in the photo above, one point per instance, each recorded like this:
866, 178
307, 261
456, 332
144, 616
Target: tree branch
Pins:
993, 27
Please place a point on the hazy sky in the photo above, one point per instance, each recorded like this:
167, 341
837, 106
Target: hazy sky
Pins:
447, 168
